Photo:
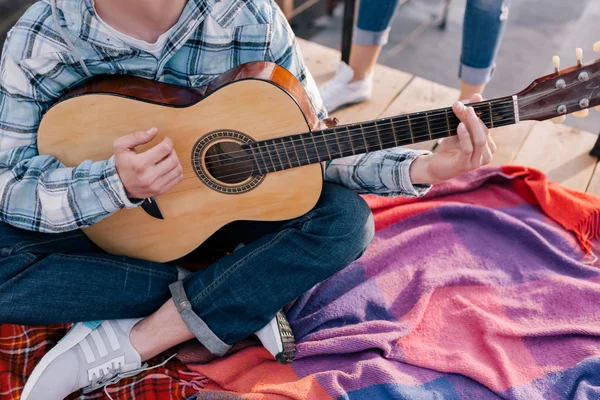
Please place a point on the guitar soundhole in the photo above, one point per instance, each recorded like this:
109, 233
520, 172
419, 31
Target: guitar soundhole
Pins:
222, 164
227, 162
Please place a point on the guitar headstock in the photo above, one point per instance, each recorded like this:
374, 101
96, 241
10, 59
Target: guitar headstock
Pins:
570, 91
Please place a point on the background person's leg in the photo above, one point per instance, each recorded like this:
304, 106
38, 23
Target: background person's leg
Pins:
353, 83
483, 30
370, 35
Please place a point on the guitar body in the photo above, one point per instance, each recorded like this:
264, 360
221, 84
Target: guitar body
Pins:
253, 102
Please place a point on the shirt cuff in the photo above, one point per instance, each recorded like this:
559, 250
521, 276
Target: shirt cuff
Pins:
410, 189
115, 190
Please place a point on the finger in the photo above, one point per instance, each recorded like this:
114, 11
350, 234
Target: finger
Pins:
157, 153
464, 139
491, 143
166, 165
460, 111
478, 136
476, 98
486, 156
167, 181
450, 142
129, 142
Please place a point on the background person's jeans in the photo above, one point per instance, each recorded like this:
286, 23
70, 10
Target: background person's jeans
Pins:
483, 29
57, 278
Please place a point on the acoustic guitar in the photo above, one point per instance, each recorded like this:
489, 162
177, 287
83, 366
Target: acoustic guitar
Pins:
251, 145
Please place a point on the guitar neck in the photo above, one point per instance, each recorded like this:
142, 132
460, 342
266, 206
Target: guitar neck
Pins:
347, 140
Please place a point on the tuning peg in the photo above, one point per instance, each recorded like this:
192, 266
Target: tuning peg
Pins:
556, 63
597, 47
559, 120
579, 56
581, 113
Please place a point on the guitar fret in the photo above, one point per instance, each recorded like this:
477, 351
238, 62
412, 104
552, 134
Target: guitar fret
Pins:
326, 144
277, 154
350, 140
428, 126
256, 160
291, 153
305, 150
394, 132
316, 148
286, 153
412, 136
337, 139
362, 131
491, 115
295, 151
378, 136
448, 122
271, 158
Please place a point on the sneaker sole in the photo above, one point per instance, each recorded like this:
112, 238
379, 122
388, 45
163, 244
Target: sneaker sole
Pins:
73, 337
287, 339
348, 104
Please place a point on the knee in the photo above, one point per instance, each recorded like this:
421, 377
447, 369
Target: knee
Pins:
349, 224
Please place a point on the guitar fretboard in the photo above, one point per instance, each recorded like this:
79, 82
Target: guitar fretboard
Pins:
347, 140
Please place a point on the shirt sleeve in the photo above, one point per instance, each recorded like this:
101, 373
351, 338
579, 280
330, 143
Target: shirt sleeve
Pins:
284, 50
384, 172
37, 192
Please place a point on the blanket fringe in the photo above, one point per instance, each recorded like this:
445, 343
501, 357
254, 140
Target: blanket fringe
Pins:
588, 229
197, 381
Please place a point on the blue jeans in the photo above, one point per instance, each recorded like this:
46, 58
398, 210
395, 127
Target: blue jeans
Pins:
483, 29
57, 278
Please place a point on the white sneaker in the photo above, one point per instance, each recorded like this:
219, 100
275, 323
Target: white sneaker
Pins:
90, 356
341, 91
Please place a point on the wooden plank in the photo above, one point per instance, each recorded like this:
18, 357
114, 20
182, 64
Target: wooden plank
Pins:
387, 83
509, 140
320, 60
561, 152
421, 95
594, 184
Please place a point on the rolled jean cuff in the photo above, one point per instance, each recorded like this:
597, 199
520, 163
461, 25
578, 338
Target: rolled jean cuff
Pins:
194, 323
476, 76
371, 38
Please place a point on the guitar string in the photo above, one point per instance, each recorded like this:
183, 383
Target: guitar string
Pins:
245, 171
325, 143
279, 165
415, 120
343, 135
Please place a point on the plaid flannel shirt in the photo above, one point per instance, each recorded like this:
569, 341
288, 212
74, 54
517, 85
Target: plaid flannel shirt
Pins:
59, 43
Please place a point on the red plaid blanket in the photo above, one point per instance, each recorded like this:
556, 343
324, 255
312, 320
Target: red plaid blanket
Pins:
21, 347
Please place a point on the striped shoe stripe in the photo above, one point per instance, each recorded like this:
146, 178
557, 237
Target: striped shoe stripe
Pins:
102, 351
112, 337
91, 324
87, 351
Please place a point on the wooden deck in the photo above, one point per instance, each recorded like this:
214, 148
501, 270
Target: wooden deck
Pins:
560, 151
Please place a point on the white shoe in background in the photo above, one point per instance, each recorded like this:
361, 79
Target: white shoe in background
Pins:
341, 90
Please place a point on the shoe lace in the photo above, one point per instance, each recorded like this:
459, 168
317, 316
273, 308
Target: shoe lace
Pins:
112, 374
